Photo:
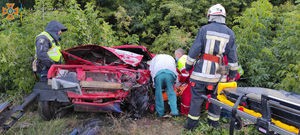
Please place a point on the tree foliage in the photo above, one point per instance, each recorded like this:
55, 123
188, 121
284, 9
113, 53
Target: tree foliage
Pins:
268, 47
267, 33
254, 35
288, 47
168, 42
84, 27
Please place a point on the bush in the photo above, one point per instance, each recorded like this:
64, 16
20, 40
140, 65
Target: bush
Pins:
17, 48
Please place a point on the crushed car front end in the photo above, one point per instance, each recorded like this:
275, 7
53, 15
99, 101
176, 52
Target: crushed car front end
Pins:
97, 79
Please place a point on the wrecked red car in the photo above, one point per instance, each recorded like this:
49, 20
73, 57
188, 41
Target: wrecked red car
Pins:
94, 79
97, 79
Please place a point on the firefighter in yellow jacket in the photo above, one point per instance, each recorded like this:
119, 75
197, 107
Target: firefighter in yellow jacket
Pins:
47, 48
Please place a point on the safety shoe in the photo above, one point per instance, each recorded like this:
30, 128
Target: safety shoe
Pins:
189, 127
167, 116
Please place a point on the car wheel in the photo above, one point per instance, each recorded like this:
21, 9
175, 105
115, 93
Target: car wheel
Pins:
44, 111
51, 109
139, 101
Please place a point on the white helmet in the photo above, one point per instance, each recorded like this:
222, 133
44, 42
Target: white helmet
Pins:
217, 9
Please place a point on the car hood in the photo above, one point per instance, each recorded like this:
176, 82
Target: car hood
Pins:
100, 56
142, 50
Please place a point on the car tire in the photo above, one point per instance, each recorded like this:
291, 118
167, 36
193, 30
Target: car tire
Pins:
140, 100
48, 110
44, 110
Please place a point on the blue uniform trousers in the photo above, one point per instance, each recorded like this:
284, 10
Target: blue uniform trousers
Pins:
168, 79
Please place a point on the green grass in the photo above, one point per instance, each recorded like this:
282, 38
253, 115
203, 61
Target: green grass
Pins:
32, 124
114, 124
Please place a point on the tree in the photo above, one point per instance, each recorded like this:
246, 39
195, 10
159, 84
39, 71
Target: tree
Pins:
150, 18
288, 47
17, 42
254, 44
167, 43
266, 35
268, 48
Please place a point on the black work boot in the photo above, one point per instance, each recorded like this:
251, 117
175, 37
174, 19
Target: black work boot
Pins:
212, 123
191, 124
189, 127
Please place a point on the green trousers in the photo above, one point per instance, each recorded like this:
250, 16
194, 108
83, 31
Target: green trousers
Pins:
167, 79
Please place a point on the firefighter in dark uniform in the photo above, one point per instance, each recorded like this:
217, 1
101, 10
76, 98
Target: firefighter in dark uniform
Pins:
213, 41
47, 48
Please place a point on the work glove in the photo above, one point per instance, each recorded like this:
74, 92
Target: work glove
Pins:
177, 83
231, 79
153, 85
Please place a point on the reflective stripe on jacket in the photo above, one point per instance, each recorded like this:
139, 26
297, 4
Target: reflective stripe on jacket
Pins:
214, 39
54, 52
181, 62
